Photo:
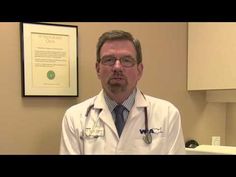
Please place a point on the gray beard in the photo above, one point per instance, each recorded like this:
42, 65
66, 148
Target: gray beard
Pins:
117, 88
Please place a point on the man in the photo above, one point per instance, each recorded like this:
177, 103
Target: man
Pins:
121, 119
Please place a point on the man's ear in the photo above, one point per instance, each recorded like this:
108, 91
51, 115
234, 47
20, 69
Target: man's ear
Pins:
98, 69
140, 70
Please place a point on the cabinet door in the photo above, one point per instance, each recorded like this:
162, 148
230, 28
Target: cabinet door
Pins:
211, 56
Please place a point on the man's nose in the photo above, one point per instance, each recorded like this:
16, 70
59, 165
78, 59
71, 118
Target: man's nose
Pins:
117, 64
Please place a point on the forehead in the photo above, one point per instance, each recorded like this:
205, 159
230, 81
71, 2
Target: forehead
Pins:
118, 46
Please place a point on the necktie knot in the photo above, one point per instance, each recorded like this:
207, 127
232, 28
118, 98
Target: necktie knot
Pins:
119, 121
119, 109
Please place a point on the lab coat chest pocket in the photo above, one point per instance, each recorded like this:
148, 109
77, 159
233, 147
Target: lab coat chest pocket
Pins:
94, 136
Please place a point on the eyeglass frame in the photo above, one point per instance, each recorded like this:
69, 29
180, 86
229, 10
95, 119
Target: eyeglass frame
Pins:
121, 60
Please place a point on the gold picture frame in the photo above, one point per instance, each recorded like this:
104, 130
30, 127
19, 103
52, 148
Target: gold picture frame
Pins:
49, 54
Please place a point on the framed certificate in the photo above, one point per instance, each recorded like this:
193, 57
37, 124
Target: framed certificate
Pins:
49, 54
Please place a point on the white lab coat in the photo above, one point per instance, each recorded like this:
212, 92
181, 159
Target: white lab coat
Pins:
163, 119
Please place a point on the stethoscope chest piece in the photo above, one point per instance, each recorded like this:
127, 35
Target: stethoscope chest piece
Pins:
147, 138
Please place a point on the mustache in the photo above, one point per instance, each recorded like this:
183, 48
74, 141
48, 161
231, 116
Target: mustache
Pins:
118, 74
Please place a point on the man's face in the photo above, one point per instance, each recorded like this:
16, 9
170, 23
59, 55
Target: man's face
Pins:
117, 79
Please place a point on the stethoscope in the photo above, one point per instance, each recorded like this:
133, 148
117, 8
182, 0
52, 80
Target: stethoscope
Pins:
147, 137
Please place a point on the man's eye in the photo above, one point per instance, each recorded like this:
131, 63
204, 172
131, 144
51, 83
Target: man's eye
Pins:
109, 59
127, 60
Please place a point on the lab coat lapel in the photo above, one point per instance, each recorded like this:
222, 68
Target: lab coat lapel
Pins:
105, 114
139, 104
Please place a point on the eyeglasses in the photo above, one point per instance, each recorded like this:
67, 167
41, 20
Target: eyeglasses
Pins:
125, 61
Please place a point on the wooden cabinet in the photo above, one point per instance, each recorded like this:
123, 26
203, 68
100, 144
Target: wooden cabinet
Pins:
211, 56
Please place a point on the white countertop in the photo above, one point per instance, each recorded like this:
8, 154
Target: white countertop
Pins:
209, 149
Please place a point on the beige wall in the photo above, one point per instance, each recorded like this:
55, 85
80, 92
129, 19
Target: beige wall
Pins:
33, 125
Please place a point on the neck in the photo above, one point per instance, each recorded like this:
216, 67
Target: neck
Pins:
119, 98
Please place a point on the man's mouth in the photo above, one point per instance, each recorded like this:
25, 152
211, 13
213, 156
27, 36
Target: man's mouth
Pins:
117, 79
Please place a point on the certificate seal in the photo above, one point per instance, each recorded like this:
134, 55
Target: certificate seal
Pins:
51, 75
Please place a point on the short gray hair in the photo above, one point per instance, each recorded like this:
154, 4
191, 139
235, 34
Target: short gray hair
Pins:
119, 35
